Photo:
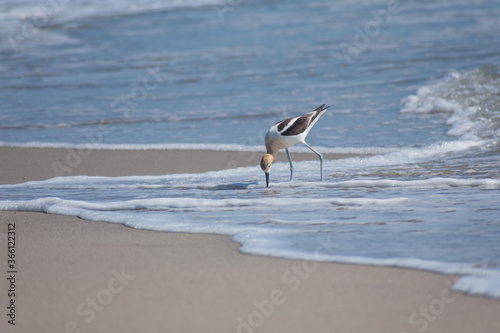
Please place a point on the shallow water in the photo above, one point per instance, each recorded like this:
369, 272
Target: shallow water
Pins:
420, 93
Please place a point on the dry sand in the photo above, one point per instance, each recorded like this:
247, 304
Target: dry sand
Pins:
80, 276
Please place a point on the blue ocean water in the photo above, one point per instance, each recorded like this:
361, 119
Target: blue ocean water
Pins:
415, 84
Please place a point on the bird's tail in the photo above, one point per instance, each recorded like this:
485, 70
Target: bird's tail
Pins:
317, 113
321, 108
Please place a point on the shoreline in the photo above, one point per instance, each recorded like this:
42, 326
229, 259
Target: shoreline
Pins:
100, 277
19, 165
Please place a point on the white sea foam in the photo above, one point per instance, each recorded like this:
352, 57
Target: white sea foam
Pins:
66, 207
472, 100
485, 284
408, 156
432, 183
196, 146
384, 155
212, 180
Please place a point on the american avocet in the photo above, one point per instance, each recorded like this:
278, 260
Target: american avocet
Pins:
287, 133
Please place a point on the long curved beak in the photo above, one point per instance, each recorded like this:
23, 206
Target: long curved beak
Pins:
267, 179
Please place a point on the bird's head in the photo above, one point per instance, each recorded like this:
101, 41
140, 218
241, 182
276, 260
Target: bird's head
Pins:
265, 165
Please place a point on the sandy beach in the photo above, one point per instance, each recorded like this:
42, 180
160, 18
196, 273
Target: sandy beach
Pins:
79, 276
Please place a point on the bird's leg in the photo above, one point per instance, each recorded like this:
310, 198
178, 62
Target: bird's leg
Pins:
291, 165
320, 159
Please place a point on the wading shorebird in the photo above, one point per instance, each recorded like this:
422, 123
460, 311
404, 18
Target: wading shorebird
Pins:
287, 133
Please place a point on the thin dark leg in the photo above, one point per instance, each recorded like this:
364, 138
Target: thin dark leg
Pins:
291, 165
